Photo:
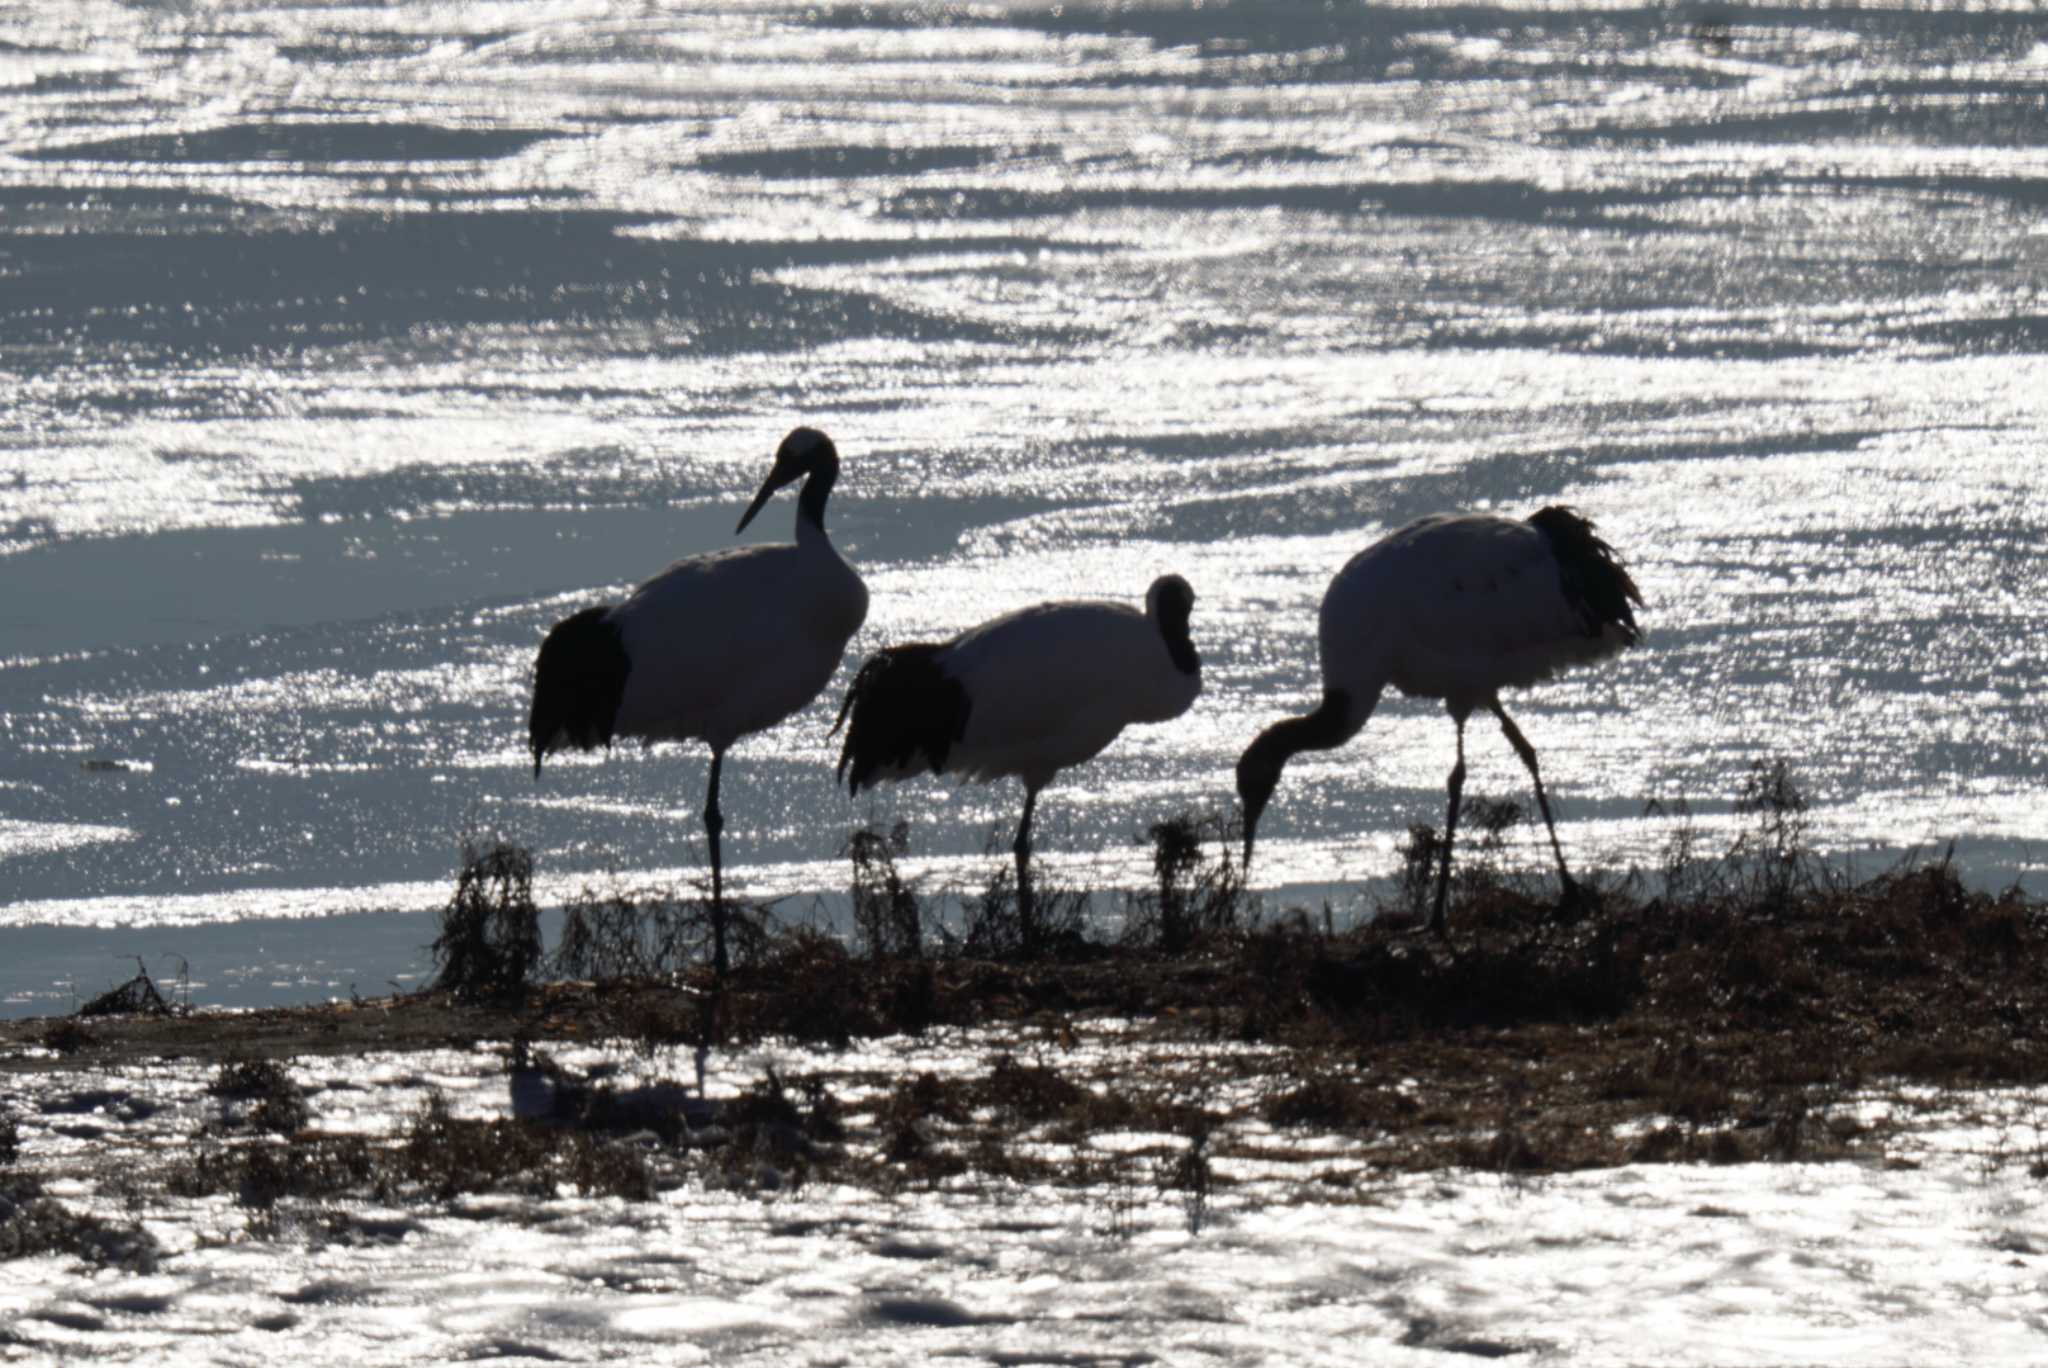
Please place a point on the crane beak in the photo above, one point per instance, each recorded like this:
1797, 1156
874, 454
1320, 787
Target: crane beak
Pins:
776, 480
787, 471
1254, 808
767, 491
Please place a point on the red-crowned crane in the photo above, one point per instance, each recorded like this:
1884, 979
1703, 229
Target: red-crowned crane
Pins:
1456, 607
712, 648
1027, 694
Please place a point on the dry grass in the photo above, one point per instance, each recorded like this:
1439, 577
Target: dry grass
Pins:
490, 932
32, 1223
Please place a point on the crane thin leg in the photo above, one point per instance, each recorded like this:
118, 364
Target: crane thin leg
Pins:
1457, 787
1528, 754
1022, 850
714, 822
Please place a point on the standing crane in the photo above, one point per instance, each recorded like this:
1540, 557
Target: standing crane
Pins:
1456, 607
713, 648
1027, 694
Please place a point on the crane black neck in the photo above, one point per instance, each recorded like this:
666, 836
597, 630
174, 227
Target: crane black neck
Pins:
1180, 645
810, 501
1328, 727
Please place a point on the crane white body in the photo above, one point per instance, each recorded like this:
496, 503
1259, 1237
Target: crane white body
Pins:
732, 643
1051, 686
1455, 607
1027, 694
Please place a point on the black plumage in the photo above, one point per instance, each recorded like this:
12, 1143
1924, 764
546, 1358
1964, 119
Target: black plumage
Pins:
906, 715
1595, 583
577, 685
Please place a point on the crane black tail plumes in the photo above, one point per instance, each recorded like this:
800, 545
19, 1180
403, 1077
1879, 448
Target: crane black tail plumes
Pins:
906, 715
1595, 581
578, 683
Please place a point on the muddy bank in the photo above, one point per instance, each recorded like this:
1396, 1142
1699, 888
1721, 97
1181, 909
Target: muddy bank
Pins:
1535, 1037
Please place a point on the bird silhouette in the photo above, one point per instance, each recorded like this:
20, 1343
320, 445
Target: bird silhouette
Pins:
1456, 607
1027, 694
713, 648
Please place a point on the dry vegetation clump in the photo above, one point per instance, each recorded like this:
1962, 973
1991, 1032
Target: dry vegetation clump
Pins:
914, 1114
32, 1223
1029, 1122
913, 1126
617, 935
1908, 973
1029, 1093
489, 944
1190, 1175
445, 1156
259, 1093
998, 928
1483, 875
1371, 988
261, 1173
67, 1036
438, 1157
654, 934
139, 994
764, 1140
888, 917
1194, 901
1332, 1101
809, 987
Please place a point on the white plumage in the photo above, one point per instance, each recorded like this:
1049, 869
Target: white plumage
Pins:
1456, 607
714, 647
727, 644
1027, 694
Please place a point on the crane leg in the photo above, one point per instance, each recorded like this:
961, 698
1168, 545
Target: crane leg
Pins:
1456, 785
1528, 754
714, 822
1022, 850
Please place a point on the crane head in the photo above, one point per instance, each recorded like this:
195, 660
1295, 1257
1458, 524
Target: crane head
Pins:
1258, 769
1169, 603
803, 452
1258, 774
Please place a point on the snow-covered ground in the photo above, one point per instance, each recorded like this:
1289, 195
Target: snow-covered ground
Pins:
1932, 1247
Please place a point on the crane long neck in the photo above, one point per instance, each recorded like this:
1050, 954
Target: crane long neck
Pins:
1334, 722
1329, 726
810, 503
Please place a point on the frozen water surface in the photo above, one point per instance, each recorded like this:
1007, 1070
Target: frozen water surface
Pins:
346, 348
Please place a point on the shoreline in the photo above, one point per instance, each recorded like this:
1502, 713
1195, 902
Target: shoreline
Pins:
1701, 1021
